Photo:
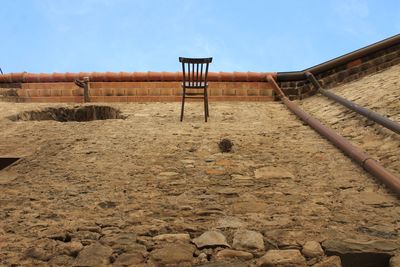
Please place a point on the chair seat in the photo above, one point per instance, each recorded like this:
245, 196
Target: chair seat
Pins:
192, 93
195, 97
194, 84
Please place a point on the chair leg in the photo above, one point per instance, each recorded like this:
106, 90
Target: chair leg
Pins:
206, 103
205, 106
183, 103
208, 113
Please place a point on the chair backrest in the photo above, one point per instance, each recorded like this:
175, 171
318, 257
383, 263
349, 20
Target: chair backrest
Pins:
195, 70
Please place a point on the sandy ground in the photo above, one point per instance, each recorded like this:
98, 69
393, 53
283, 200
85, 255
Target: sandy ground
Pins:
150, 174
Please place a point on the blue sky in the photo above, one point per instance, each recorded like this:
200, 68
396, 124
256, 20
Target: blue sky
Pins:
150, 35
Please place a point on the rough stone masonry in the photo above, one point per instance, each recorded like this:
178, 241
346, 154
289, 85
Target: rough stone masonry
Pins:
150, 191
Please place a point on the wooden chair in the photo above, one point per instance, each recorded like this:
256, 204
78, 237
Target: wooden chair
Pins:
194, 72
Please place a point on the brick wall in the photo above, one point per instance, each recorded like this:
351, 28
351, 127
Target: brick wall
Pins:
131, 92
345, 73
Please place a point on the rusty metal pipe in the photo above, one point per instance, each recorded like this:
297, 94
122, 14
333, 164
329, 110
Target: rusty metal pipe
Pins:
363, 159
376, 117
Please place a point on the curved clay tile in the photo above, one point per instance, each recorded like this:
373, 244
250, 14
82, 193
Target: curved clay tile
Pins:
131, 77
17, 76
170, 76
45, 77
213, 76
97, 77
82, 75
59, 77
256, 76
240, 77
70, 76
140, 76
110, 76
3, 78
226, 76
126, 76
154, 76
31, 77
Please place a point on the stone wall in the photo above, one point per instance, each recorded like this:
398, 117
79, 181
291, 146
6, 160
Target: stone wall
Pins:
345, 73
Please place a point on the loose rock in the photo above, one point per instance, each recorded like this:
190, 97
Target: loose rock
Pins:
356, 246
43, 249
279, 258
120, 238
129, 259
210, 239
123, 242
172, 237
230, 254
229, 222
61, 260
202, 258
70, 248
283, 239
94, 255
172, 254
312, 249
394, 261
248, 240
86, 236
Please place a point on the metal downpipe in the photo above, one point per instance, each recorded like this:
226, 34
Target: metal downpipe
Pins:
385, 122
369, 164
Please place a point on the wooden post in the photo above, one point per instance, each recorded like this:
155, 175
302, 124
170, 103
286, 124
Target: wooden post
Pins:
86, 89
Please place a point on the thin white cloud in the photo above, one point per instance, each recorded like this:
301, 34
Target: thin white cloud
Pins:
352, 17
72, 8
353, 8
61, 13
